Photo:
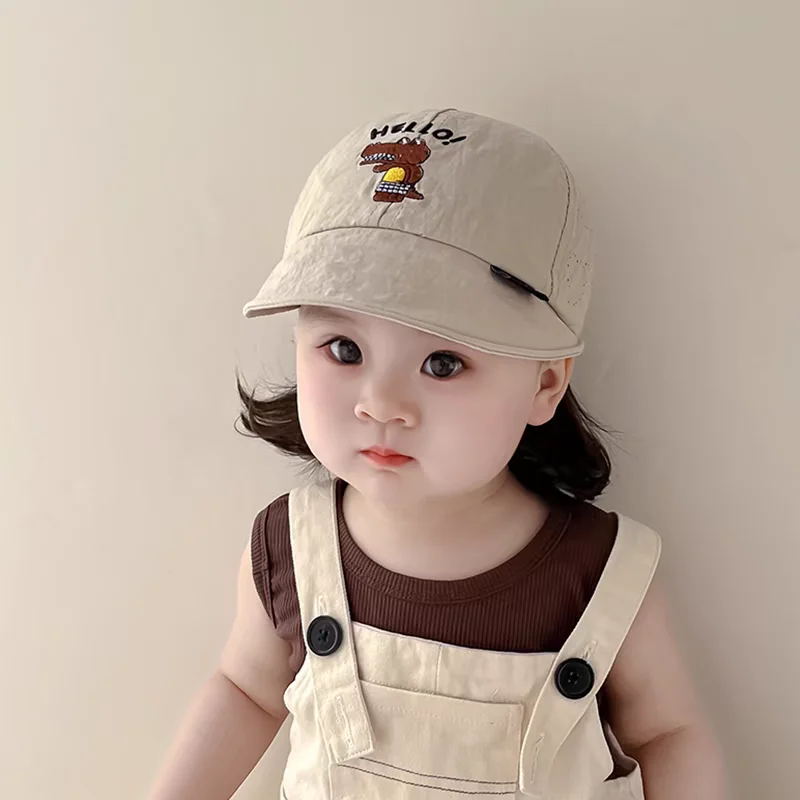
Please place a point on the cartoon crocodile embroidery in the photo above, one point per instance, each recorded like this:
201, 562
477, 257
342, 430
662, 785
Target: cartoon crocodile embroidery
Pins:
400, 162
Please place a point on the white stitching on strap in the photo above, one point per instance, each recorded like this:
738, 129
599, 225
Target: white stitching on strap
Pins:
588, 650
344, 722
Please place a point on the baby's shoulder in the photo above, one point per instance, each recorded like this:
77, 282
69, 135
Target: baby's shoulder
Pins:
271, 551
594, 533
589, 529
590, 538
590, 523
271, 525
587, 516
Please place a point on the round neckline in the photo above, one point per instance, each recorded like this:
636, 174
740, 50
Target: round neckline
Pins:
357, 564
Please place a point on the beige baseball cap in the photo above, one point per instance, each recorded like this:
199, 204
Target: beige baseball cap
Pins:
451, 222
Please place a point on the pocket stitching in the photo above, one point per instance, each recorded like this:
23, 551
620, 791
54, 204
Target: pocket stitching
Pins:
510, 792
439, 777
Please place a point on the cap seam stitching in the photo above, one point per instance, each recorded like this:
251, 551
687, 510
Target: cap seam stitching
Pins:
385, 211
563, 229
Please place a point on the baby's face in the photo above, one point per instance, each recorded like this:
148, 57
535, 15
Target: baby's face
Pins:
364, 382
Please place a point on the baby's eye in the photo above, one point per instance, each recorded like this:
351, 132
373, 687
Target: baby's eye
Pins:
443, 365
345, 351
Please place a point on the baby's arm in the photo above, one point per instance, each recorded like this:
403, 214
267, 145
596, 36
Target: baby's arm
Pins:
654, 714
237, 713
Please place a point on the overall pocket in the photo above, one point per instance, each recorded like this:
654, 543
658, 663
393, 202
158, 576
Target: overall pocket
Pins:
427, 746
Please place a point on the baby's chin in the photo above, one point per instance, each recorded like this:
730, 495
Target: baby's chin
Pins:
406, 487
386, 486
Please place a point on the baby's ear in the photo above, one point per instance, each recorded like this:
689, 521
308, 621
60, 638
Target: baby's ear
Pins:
554, 377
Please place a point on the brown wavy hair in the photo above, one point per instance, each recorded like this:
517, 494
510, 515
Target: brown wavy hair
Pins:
561, 460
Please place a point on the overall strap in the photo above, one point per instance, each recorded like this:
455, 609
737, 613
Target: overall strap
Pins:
596, 640
341, 710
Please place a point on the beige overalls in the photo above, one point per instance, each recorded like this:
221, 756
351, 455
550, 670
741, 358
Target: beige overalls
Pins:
378, 715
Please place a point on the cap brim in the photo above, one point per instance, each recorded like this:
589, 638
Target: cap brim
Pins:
428, 285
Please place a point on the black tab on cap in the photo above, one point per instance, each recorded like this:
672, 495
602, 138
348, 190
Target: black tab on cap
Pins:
517, 282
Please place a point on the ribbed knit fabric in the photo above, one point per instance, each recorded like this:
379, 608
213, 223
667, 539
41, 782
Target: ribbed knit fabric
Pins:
530, 603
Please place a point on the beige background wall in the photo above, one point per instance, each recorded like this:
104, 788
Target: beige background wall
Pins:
150, 153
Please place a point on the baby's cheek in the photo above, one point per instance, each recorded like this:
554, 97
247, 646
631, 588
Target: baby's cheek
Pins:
310, 407
499, 433
322, 413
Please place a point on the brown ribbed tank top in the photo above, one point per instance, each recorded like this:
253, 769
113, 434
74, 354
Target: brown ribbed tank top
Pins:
528, 604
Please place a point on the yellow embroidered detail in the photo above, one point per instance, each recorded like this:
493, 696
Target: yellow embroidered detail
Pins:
395, 175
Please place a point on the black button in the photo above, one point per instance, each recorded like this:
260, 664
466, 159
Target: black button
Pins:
574, 678
324, 636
